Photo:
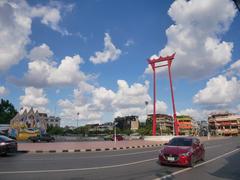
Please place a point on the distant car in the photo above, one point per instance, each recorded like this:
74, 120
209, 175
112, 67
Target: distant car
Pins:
43, 137
7, 145
135, 136
183, 151
118, 138
107, 138
5, 133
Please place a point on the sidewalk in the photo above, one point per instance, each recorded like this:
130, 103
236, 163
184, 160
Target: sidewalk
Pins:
58, 147
84, 146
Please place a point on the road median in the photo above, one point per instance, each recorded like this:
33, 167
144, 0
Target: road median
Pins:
93, 146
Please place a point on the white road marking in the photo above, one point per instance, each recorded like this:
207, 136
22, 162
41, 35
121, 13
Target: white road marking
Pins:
77, 169
206, 162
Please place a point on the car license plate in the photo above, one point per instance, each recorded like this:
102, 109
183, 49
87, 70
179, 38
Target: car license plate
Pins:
170, 159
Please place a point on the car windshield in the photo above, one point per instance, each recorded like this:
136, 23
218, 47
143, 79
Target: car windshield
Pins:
180, 142
4, 138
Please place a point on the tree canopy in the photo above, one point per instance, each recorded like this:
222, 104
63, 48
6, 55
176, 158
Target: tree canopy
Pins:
7, 111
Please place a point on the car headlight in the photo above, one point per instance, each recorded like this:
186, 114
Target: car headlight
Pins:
185, 154
3, 144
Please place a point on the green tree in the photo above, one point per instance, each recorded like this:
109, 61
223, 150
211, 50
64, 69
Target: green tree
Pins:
7, 111
55, 130
145, 129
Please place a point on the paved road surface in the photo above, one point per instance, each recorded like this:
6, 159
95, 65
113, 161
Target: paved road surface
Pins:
222, 162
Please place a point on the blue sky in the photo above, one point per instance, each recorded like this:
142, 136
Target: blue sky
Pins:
90, 57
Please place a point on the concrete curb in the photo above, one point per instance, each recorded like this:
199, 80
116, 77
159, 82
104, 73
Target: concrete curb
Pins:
90, 150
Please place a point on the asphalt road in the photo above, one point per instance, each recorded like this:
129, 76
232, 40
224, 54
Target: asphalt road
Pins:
222, 162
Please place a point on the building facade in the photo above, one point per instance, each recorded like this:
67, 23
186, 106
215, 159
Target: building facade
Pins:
225, 124
127, 123
53, 121
164, 123
105, 127
186, 125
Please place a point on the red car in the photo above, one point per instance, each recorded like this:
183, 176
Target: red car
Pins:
183, 151
7, 145
118, 138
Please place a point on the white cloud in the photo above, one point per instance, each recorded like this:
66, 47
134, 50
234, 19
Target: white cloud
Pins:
196, 37
131, 96
219, 91
16, 22
44, 72
161, 107
37, 74
40, 53
103, 98
238, 108
51, 15
130, 100
35, 98
202, 114
68, 71
70, 111
14, 33
129, 42
110, 52
93, 102
196, 114
234, 69
3, 90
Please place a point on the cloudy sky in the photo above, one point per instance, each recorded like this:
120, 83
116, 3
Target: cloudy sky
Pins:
87, 59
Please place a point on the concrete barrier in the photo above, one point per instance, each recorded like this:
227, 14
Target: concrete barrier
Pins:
158, 138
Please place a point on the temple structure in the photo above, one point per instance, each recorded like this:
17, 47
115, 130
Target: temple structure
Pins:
27, 124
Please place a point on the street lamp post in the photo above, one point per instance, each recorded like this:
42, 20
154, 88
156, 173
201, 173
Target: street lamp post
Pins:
146, 103
208, 133
115, 132
77, 118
